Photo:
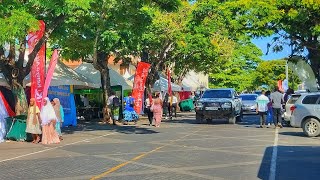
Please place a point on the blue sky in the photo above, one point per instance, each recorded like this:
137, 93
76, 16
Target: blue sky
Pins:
262, 44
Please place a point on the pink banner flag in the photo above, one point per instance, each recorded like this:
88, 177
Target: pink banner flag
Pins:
37, 69
139, 83
52, 66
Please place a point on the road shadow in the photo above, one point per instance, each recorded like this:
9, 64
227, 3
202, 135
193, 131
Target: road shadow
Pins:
297, 134
96, 126
293, 162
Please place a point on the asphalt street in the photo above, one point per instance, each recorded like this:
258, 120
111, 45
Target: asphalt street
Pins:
179, 149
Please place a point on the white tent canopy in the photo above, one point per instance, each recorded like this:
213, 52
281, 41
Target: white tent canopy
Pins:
126, 75
162, 85
88, 70
64, 75
3, 81
195, 81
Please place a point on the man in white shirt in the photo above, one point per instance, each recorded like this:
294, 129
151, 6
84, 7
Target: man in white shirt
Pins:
173, 106
262, 108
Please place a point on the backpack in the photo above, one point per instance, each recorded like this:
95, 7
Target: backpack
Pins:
116, 101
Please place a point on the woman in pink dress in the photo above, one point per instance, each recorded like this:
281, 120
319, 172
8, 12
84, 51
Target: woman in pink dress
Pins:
48, 122
157, 110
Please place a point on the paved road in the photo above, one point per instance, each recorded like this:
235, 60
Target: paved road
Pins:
179, 149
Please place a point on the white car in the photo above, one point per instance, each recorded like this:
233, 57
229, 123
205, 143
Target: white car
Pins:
290, 103
305, 113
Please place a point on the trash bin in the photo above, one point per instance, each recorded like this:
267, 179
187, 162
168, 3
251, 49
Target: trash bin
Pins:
16, 128
186, 105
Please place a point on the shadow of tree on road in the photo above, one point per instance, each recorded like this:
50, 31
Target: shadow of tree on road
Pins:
95, 126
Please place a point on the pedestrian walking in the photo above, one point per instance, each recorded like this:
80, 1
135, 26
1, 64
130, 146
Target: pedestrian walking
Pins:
58, 109
262, 108
33, 121
113, 106
269, 113
277, 101
173, 104
148, 102
129, 113
157, 110
48, 121
165, 105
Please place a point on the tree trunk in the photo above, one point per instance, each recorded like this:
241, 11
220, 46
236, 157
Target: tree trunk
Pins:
21, 107
105, 85
314, 57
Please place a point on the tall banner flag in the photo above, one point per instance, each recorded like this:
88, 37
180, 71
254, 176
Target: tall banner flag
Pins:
169, 85
37, 69
52, 66
280, 86
138, 85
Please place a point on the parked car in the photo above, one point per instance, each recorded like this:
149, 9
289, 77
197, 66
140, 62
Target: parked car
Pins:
291, 101
219, 104
249, 104
305, 113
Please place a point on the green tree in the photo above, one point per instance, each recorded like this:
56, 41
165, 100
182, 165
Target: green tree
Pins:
232, 58
268, 73
110, 28
187, 41
18, 18
294, 21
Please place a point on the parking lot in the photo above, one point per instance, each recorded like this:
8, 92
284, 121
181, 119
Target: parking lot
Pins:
179, 149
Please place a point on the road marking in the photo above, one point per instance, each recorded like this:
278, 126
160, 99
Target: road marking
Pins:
115, 168
49, 149
273, 165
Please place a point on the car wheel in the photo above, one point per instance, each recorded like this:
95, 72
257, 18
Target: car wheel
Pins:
311, 127
199, 118
232, 120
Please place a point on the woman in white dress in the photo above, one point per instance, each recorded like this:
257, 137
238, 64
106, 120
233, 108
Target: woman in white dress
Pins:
48, 122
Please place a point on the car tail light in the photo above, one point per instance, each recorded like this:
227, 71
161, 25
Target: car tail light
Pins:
292, 108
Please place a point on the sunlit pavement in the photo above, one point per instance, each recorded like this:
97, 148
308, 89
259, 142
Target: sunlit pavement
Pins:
179, 149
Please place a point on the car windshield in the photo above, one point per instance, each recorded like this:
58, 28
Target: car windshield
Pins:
217, 94
248, 97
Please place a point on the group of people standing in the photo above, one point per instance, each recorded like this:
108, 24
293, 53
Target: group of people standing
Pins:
155, 107
270, 105
45, 125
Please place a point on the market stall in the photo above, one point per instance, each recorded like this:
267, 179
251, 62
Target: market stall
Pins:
118, 84
62, 84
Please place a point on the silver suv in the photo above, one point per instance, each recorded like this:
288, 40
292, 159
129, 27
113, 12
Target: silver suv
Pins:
305, 113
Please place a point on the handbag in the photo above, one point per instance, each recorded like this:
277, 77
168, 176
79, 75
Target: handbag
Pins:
152, 108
